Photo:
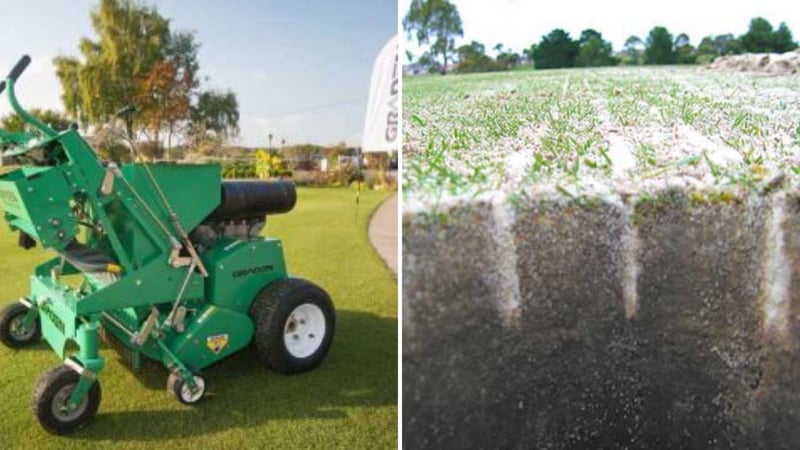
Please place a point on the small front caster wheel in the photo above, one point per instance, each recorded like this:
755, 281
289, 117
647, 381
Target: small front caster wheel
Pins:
12, 332
183, 392
50, 401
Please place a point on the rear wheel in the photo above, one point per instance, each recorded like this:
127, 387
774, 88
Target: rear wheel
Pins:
12, 332
50, 398
295, 322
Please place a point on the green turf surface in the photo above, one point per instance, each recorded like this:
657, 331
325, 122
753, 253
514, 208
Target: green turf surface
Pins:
348, 402
597, 130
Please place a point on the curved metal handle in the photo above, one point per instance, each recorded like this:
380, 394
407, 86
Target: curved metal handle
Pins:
20, 67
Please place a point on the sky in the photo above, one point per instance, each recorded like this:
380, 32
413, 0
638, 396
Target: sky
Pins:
300, 69
519, 23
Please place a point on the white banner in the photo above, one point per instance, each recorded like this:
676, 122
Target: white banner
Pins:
382, 125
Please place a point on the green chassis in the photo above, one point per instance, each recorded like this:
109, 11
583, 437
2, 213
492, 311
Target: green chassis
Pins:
135, 301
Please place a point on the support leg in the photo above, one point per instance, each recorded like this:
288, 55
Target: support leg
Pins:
88, 363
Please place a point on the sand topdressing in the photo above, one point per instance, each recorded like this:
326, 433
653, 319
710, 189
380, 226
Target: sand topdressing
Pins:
596, 131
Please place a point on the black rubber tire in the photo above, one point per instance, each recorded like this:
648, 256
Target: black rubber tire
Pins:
48, 386
270, 311
7, 317
175, 385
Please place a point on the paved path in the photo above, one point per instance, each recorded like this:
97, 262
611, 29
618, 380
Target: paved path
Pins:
383, 232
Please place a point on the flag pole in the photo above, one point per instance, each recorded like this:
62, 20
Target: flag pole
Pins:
358, 181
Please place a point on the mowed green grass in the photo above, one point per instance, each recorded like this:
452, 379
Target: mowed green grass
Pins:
348, 402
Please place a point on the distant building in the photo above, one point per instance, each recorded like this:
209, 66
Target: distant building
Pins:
305, 162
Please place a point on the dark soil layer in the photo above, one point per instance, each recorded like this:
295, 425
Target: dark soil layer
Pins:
569, 363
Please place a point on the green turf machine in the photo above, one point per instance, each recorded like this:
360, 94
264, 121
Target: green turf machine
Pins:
163, 261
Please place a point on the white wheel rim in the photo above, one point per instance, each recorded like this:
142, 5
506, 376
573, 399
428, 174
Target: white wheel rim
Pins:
304, 330
190, 396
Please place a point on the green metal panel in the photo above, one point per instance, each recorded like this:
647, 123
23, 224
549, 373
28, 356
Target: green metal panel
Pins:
155, 283
216, 333
36, 200
134, 237
58, 320
193, 190
239, 270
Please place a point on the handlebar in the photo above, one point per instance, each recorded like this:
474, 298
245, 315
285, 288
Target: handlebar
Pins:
20, 67
9, 83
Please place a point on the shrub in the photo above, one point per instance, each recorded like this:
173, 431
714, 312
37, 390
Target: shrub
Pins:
238, 169
312, 178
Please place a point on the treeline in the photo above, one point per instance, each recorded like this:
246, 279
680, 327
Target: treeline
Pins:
558, 49
436, 24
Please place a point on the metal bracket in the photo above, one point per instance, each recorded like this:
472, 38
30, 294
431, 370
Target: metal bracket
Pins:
177, 321
78, 367
107, 187
141, 337
57, 271
175, 260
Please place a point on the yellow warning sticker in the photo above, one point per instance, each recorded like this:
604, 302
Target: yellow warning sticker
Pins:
217, 343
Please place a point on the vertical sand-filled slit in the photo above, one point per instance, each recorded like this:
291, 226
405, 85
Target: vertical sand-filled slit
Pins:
776, 271
504, 265
620, 151
630, 246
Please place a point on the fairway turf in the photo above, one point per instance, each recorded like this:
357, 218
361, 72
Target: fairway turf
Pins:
597, 130
348, 402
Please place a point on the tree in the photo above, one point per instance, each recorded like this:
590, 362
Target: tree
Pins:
659, 48
508, 60
435, 23
681, 40
557, 49
712, 46
428, 61
165, 100
761, 38
216, 113
54, 119
684, 51
472, 58
133, 59
633, 50
758, 38
782, 39
529, 52
593, 50
68, 72
130, 42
